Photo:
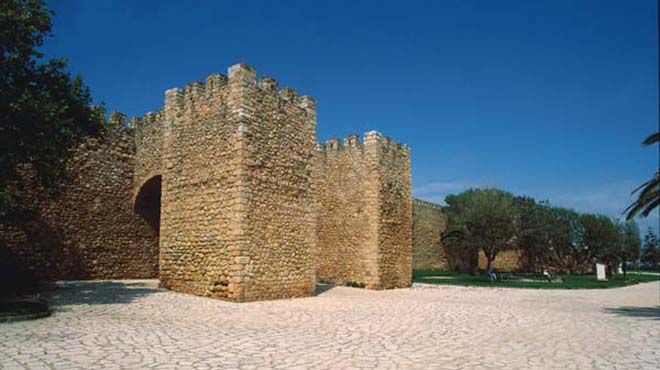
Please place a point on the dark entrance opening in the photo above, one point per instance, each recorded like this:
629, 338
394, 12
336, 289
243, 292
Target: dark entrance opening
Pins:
147, 203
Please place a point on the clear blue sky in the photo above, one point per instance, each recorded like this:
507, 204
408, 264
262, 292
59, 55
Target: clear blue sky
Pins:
545, 98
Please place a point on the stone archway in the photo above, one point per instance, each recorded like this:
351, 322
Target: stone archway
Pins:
147, 203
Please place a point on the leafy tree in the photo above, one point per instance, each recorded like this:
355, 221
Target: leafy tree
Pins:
535, 231
651, 249
602, 237
648, 194
632, 240
567, 250
483, 218
629, 244
553, 237
461, 256
44, 112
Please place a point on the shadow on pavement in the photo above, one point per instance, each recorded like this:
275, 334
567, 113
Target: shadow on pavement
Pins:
63, 294
98, 292
642, 312
322, 288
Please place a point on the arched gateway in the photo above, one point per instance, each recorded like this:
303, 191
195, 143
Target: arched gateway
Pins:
147, 203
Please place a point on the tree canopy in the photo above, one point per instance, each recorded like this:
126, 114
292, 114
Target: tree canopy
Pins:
651, 250
44, 111
547, 237
485, 219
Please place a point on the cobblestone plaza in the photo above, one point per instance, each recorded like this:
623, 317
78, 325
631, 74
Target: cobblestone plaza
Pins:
133, 324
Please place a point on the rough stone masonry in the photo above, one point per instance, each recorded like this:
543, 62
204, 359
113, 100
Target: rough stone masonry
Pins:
226, 193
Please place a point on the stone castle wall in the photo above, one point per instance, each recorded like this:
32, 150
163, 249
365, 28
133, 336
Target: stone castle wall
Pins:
347, 222
225, 193
364, 212
88, 231
148, 137
508, 261
428, 225
429, 253
395, 215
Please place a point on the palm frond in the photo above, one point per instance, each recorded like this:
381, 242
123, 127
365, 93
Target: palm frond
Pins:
654, 181
652, 186
650, 207
645, 205
653, 138
647, 199
644, 184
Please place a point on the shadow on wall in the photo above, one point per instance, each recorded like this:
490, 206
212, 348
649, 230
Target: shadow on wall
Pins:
147, 202
15, 278
99, 292
652, 313
38, 253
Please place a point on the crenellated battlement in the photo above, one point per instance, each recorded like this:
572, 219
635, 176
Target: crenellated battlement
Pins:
235, 101
117, 119
288, 95
425, 203
336, 145
195, 94
388, 143
116, 124
215, 82
147, 121
241, 79
371, 138
351, 141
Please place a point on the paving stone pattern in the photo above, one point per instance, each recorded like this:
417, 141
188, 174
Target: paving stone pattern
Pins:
132, 324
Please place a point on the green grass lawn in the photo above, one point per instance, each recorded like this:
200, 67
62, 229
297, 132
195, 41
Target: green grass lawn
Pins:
569, 281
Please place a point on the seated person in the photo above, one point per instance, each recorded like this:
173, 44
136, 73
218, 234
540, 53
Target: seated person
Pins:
492, 276
547, 276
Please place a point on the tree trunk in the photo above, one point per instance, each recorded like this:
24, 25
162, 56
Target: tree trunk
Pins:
490, 257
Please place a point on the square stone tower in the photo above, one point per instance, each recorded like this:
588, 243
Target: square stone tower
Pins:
237, 208
364, 212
